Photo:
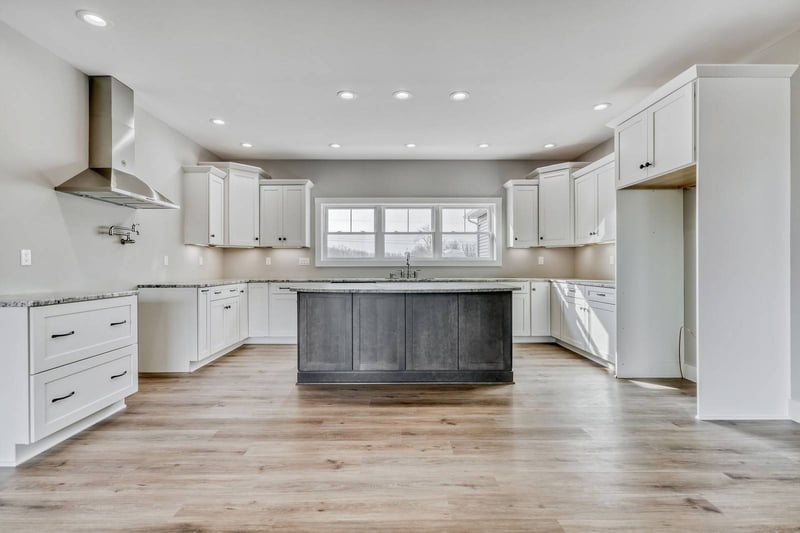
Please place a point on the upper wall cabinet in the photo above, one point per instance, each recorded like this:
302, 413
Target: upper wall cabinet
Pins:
556, 203
522, 213
203, 205
241, 203
657, 140
595, 202
286, 213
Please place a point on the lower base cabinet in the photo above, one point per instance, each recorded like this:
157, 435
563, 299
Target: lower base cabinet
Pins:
585, 317
64, 368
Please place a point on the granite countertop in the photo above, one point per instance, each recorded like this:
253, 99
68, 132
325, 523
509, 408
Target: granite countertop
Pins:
218, 282
408, 287
38, 299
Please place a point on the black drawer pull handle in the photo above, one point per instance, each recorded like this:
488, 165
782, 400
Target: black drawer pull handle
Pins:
119, 375
118, 323
54, 400
57, 335
601, 294
217, 292
232, 290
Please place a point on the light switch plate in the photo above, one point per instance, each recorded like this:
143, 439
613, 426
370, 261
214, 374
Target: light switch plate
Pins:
267, 261
303, 261
200, 260
166, 260
610, 259
541, 259
25, 258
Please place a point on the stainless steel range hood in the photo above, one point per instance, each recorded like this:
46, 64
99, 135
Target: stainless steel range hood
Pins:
111, 176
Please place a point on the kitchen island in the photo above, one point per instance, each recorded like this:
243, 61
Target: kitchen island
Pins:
418, 332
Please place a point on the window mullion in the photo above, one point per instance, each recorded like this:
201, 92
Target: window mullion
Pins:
380, 236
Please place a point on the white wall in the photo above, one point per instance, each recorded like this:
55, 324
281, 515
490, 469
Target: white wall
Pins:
392, 179
690, 277
43, 142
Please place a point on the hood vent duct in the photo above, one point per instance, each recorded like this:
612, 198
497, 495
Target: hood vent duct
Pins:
111, 176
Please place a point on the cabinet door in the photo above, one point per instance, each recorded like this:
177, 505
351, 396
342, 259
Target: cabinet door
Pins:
483, 331
603, 331
244, 323
294, 216
540, 308
524, 224
606, 204
555, 209
556, 311
242, 211
586, 209
203, 340
671, 130
631, 149
271, 215
379, 332
231, 321
575, 327
216, 325
520, 314
216, 210
282, 313
258, 309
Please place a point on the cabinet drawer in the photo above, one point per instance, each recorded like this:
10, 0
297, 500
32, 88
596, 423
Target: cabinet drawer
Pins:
570, 290
65, 395
65, 333
224, 291
602, 295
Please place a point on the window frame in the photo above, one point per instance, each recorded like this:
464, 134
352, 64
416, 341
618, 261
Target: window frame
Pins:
493, 205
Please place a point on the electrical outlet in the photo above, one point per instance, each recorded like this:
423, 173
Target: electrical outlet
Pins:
200, 260
25, 258
541, 259
610, 259
267, 261
166, 260
303, 261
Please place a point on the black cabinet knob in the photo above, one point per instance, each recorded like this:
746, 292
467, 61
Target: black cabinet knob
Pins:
648, 164
641, 166
541, 238
516, 239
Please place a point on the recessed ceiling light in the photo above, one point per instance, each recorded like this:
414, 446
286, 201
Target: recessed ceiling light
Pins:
217, 121
483, 145
91, 18
247, 145
347, 95
459, 96
601, 106
401, 95
411, 145
335, 145
550, 145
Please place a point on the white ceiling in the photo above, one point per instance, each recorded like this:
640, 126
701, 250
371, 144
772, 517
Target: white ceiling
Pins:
271, 69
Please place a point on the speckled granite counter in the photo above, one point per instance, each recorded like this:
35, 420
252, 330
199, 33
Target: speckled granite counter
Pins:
218, 282
414, 287
52, 298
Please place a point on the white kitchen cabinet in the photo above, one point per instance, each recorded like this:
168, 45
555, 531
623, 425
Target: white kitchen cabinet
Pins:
522, 213
241, 214
282, 311
556, 310
657, 140
603, 330
520, 309
575, 325
65, 367
556, 203
258, 309
595, 202
540, 309
203, 205
285, 213
185, 328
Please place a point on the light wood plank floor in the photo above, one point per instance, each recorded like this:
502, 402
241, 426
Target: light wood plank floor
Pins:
237, 446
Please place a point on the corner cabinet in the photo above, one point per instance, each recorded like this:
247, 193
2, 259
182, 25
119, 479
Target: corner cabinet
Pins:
595, 202
658, 140
285, 213
241, 216
204, 205
522, 213
556, 203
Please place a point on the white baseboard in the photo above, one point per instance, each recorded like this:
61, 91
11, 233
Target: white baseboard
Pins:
196, 365
271, 340
690, 372
533, 340
583, 353
794, 410
25, 452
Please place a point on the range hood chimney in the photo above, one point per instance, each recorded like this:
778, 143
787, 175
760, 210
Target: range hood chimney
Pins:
111, 174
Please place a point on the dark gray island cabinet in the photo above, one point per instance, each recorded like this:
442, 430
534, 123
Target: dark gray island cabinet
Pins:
404, 333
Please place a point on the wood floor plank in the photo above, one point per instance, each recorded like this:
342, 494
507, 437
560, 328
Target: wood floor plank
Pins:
237, 446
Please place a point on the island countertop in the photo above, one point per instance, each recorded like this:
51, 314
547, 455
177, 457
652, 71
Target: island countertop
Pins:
405, 287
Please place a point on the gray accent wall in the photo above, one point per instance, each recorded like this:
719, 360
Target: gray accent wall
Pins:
359, 178
44, 135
